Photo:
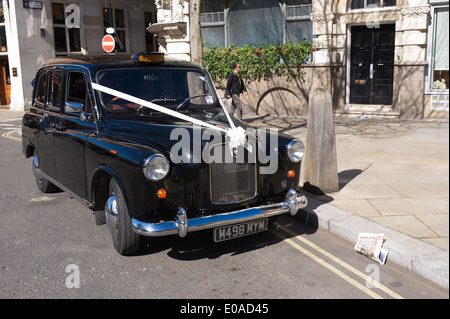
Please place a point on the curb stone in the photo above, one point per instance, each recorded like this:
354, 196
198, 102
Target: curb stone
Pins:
426, 260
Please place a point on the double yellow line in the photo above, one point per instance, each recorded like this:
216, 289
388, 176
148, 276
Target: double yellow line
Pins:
335, 259
8, 135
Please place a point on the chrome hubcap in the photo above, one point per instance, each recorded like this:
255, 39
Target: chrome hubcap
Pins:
111, 212
36, 162
36, 170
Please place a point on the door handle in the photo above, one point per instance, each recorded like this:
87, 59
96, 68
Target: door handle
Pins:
60, 127
57, 126
371, 71
43, 119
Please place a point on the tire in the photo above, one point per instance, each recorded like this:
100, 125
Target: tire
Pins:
43, 184
125, 240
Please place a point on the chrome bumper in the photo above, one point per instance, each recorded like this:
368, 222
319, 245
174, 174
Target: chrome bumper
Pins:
182, 225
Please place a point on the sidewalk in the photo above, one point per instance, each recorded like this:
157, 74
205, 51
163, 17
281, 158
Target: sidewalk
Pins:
6, 114
393, 179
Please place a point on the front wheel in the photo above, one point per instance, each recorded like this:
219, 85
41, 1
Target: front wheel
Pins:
125, 240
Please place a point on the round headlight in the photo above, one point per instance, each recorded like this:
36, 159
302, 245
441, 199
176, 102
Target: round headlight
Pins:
295, 150
156, 167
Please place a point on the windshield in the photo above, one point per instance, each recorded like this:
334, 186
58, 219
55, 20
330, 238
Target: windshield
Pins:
171, 88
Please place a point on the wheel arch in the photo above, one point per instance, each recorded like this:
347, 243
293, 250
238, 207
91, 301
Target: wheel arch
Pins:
29, 150
99, 190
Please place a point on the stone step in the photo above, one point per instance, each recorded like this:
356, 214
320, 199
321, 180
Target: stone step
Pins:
367, 111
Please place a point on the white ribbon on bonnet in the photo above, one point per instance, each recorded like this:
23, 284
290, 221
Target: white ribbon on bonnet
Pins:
236, 135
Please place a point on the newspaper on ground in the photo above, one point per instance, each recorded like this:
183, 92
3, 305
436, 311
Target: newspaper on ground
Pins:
370, 244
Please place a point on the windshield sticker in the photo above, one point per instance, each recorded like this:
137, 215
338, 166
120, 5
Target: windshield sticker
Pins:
209, 99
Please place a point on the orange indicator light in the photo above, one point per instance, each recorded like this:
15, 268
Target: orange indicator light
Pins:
291, 174
161, 193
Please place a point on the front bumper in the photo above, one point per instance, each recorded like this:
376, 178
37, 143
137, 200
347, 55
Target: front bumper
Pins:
182, 225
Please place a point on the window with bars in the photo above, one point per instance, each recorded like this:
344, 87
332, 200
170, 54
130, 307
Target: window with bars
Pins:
253, 22
213, 22
67, 40
298, 9
439, 50
439, 103
371, 4
213, 17
298, 23
212, 11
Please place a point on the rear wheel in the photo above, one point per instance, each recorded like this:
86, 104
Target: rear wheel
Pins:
125, 240
43, 184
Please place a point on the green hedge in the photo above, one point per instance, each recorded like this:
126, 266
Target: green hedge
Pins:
257, 62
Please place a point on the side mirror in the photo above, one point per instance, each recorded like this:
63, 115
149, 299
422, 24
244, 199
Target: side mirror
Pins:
224, 100
73, 107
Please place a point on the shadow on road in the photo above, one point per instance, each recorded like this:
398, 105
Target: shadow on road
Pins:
200, 245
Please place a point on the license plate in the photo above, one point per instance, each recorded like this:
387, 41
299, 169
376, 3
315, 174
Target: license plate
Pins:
239, 230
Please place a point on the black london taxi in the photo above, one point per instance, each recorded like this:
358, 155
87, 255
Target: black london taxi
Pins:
145, 142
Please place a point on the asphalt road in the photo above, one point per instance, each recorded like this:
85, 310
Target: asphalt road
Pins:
51, 248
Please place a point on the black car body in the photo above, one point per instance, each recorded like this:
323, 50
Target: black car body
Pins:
117, 157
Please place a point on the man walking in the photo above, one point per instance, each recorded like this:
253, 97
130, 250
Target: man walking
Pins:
235, 86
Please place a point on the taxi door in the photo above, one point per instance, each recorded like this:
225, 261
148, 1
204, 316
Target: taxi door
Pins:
47, 105
74, 125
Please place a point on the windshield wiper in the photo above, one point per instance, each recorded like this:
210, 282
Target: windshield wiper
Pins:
162, 100
189, 98
141, 108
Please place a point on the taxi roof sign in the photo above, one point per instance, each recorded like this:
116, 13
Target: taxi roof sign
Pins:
149, 57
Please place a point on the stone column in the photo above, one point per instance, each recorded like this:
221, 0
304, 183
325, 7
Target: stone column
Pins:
321, 173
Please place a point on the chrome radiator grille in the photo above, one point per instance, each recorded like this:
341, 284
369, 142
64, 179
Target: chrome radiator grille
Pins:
232, 182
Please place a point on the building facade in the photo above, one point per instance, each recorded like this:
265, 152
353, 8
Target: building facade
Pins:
385, 58
32, 32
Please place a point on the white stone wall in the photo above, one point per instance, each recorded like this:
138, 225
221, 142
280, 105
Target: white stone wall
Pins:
28, 49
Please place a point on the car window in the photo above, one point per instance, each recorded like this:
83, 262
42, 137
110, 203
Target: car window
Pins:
55, 93
167, 87
77, 92
41, 89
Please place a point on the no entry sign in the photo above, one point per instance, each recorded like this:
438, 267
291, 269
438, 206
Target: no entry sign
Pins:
108, 43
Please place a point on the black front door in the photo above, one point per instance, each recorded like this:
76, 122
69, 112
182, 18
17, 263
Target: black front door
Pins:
372, 64
71, 132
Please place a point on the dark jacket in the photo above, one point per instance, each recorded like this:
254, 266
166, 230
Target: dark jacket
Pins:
235, 85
